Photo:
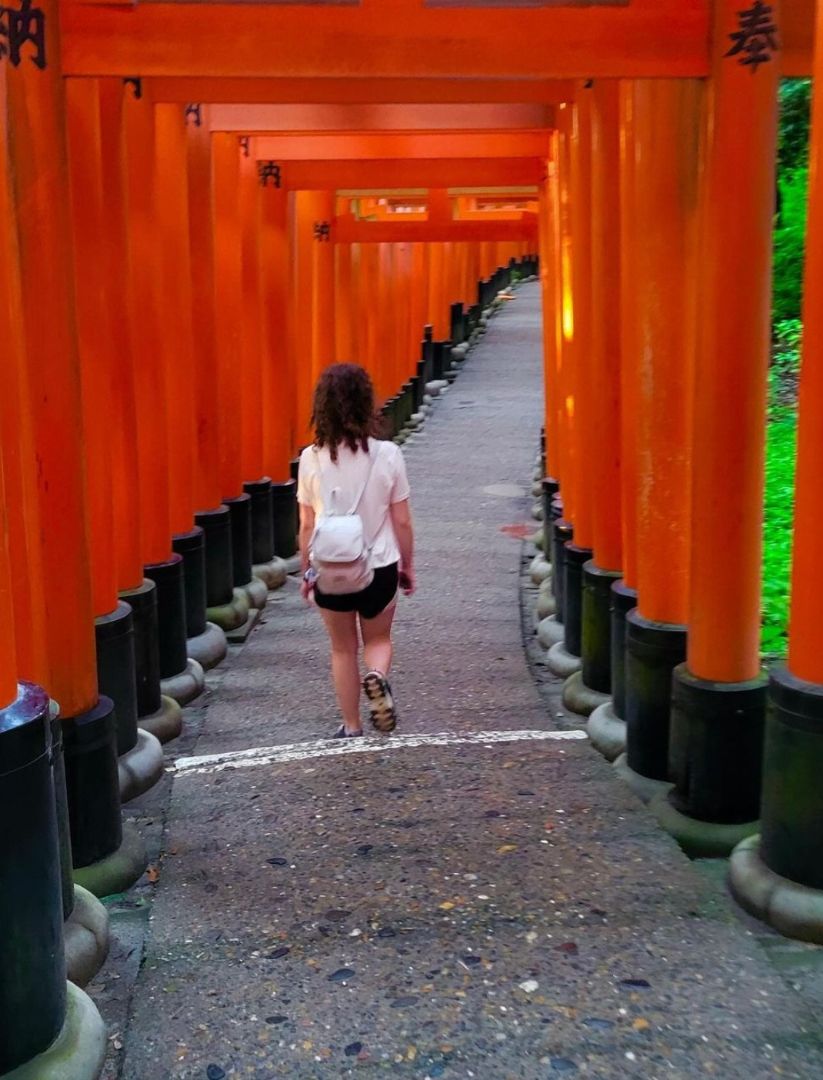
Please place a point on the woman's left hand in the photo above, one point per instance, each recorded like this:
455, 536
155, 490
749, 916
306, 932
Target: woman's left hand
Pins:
306, 590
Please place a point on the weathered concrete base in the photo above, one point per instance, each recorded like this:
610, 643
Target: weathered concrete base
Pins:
539, 540
579, 698
561, 662
208, 648
644, 788
118, 871
537, 488
540, 569
700, 839
792, 909
86, 937
273, 573
186, 685
537, 511
546, 603
78, 1052
141, 767
607, 732
257, 592
230, 616
293, 564
238, 636
165, 724
550, 632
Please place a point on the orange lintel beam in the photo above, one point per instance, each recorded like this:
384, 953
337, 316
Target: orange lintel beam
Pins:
363, 146
244, 119
350, 231
388, 38
355, 91
387, 173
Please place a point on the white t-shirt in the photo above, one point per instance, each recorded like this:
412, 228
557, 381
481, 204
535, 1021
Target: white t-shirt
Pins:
387, 484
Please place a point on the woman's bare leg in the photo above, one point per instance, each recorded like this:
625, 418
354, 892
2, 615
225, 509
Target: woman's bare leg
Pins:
342, 628
377, 645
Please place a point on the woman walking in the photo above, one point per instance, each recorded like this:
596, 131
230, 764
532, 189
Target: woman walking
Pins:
356, 540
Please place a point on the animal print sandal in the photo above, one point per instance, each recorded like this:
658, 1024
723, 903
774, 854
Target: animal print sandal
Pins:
381, 702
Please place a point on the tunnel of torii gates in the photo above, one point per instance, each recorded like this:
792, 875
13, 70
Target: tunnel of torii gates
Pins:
202, 205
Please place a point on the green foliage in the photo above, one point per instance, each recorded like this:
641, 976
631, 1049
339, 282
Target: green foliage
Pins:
789, 244
793, 135
779, 496
780, 464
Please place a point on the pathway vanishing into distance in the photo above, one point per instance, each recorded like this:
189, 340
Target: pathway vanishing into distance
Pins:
481, 899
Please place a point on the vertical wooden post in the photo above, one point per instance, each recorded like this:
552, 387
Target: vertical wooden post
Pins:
279, 374
251, 325
603, 397
344, 344
175, 302
114, 255
779, 876
322, 316
665, 215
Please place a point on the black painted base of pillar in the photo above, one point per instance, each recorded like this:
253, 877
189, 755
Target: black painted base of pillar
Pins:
33, 1001
216, 526
653, 651
622, 600
716, 748
171, 615
240, 516
143, 603
576, 557
192, 547
116, 671
550, 488
92, 783
284, 518
596, 635
562, 533
58, 772
791, 842
262, 524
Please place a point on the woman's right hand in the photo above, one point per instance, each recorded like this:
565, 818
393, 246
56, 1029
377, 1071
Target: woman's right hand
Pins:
407, 582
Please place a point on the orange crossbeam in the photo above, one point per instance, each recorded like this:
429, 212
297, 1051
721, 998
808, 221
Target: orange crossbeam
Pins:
362, 146
387, 173
254, 119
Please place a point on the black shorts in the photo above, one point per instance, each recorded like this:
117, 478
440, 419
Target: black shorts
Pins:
369, 602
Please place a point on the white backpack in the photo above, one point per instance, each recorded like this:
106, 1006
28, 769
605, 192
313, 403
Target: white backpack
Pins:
339, 552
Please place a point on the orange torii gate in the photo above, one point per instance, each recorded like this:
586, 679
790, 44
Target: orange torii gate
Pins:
94, 144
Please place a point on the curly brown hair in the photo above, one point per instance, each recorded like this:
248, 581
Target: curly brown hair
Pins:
343, 409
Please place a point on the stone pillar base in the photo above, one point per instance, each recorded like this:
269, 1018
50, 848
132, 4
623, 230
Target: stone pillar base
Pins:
546, 603
273, 573
792, 909
607, 732
239, 635
165, 724
208, 648
578, 698
700, 839
141, 767
257, 592
540, 569
550, 632
233, 614
644, 787
561, 662
118, 871
78, 1052
86, 937
186, 685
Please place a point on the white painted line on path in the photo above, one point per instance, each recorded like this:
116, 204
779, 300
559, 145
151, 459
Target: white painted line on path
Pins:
279, 755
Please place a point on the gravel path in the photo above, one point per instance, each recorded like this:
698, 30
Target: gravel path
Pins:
464, 907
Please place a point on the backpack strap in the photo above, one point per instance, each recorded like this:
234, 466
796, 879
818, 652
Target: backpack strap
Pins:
361, 492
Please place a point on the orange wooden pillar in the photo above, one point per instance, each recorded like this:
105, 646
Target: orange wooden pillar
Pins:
551, 345
343, 304
603, 421
323, 307
227, 153
665, 212
159, 601
251, 323
225, 608
577, 551
39, 166
278, 376
719, 694
780, 879
368, 284
309, 285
